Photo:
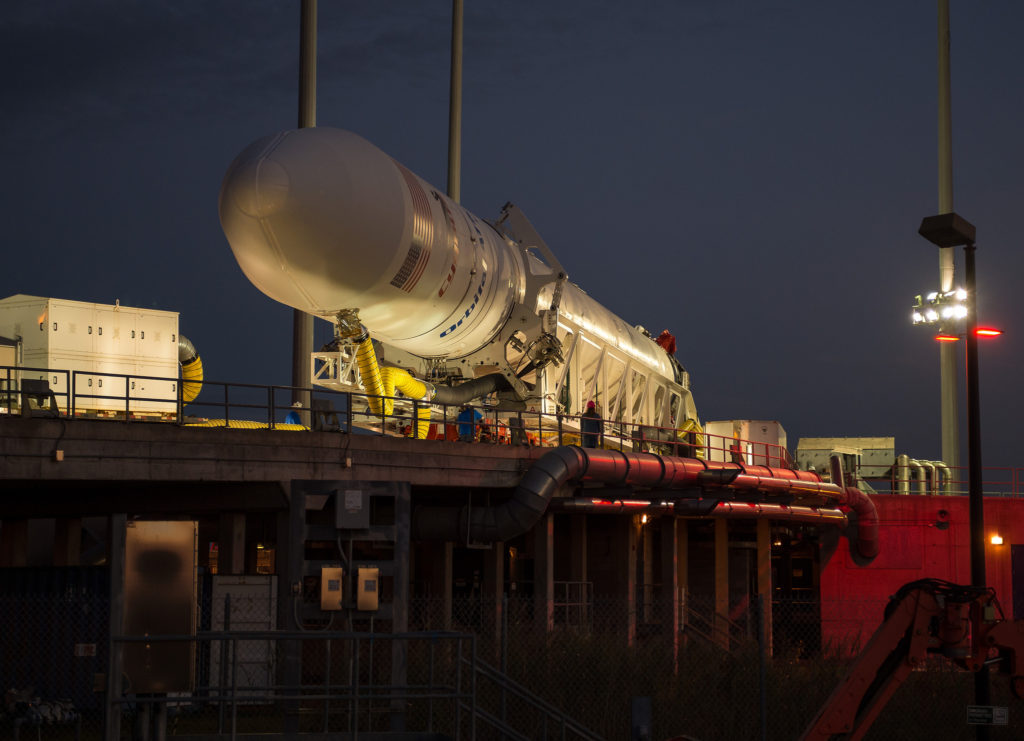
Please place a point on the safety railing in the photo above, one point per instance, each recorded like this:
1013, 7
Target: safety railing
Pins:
325, 683
130, 398
997, 481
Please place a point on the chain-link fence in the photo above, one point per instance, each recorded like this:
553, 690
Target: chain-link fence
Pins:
709, 676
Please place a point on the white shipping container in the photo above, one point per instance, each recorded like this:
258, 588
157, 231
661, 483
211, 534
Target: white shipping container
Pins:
95, 341
756, 442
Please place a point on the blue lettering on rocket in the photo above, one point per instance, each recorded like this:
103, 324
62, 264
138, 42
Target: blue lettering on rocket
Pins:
476, 299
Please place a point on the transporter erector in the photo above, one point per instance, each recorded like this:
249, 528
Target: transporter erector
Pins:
322, 220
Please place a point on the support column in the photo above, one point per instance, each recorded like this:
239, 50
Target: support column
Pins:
494, 592
544, 572
447, 563
117, 524
14, 542
683, 566
722, 583
580, 592
291, 540
764, 576
400, 601
231, 543
624, 557
67, 541
669, 557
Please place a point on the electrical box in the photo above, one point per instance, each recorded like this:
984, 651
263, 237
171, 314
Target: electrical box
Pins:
352, 509
368, 591
94, 339
330, 587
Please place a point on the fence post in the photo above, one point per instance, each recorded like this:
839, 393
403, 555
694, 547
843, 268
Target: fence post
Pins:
504, 662
762, 640
223, 663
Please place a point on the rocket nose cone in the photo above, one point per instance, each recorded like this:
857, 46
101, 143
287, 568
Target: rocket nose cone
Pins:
257, 186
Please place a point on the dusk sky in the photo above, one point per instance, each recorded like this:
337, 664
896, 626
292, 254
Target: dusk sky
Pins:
748, 175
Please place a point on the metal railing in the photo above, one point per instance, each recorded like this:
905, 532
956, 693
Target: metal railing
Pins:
997, 481
227, 404
427, 682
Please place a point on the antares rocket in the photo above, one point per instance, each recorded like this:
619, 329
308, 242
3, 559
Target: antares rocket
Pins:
325, 222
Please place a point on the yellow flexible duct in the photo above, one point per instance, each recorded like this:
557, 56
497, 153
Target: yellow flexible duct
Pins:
382, 382
394, 378
191, 369
369, 372
692, 425
192, 379
244, 424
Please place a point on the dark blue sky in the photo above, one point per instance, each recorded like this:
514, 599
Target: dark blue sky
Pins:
748, 175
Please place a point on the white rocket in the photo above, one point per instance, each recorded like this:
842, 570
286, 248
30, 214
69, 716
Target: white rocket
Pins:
323, 221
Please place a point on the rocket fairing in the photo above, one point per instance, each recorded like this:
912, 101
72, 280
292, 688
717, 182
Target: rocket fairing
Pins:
321, 220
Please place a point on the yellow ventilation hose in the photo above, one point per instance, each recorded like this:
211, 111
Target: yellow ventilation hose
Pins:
382, 382
400, 379
692, 425
191, 369
192, 379
245, 424
369, 373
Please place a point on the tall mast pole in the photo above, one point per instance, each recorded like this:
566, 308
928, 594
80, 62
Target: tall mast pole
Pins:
455, 107
302, 323
950, 424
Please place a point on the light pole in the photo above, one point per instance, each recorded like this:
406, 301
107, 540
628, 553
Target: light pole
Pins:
951, 230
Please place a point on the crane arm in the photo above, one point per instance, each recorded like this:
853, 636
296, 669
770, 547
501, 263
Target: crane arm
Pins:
925, 618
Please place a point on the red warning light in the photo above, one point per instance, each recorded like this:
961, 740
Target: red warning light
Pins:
946, 338
987, 332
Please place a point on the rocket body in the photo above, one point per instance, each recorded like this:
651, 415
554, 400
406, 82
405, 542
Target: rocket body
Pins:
321, 220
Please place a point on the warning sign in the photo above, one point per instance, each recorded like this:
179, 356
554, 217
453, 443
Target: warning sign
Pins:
987, 715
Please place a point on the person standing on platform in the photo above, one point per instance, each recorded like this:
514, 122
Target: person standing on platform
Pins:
590, 426
467, 419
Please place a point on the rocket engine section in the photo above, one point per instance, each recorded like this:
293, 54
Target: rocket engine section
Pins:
323, 221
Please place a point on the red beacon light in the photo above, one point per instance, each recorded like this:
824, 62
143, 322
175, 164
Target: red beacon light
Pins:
979, 332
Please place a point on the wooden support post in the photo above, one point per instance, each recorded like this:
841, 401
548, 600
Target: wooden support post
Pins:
447, 563
544, 572
400, 600
231, 543
624, 557
67, 541
683, 565
579, 592
494, 592
291, 552
764, 575
669, 597
14, 542
722, 583
117, 525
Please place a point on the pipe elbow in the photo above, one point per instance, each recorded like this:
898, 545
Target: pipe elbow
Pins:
866, 543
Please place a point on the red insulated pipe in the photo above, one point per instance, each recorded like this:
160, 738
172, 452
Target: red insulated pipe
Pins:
647, 469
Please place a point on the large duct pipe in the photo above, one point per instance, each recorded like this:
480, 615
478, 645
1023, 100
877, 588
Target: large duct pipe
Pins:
903, 474
863, 507
929, 476
554, 469
727, 510
191, 369
513, 517
467, 391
